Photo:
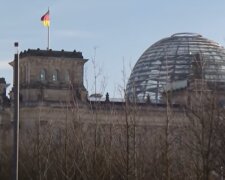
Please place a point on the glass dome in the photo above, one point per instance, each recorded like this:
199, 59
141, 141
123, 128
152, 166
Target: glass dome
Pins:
166, 65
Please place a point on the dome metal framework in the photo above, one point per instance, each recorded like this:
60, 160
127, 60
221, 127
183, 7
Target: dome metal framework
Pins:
166, 65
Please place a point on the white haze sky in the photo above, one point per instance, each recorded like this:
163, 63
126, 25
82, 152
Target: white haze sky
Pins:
119, 30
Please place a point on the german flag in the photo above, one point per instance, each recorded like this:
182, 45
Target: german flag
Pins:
46, 19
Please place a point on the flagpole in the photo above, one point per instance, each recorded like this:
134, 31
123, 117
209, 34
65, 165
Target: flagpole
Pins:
48, 33
48, 38
46, 22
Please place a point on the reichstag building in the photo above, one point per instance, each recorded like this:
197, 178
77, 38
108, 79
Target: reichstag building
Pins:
170, 124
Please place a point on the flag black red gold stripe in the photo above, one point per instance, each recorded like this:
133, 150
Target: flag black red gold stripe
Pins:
46, 19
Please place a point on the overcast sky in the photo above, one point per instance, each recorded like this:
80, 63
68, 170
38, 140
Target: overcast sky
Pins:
119, 30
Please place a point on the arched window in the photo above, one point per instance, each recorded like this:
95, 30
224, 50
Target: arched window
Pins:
67, 76
55, 75
42, 75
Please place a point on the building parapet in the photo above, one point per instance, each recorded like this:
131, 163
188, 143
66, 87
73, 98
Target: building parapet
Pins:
51, 53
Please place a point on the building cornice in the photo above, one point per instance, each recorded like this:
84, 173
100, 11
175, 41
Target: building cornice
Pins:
51, 53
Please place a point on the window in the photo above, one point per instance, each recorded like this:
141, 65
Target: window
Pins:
42, 75
67, 76
55, 75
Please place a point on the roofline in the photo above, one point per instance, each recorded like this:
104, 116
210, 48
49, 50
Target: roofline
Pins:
51, 53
